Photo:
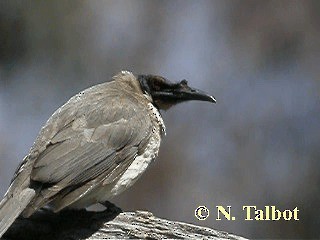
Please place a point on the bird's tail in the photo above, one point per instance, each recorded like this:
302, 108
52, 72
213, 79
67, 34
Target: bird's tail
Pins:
12, 206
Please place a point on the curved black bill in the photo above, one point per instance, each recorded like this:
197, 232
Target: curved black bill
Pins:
195, 94
184, 94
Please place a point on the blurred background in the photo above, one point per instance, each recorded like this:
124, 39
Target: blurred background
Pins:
259, 145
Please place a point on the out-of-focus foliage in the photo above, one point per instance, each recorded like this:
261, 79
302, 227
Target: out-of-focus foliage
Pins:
259, 145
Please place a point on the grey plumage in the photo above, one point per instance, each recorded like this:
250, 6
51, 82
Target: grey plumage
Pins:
85, 147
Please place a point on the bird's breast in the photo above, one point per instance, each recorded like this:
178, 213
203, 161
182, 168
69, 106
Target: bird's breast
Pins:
142, 161
138, 166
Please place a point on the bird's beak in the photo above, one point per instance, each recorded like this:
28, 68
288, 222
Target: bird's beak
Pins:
183, 93
188, 93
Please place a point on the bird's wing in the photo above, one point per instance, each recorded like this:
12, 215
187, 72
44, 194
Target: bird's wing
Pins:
89, 149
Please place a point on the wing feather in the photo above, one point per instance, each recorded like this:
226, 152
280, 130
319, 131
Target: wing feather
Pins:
88, 150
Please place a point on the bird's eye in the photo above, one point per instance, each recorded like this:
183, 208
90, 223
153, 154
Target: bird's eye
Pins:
157, 87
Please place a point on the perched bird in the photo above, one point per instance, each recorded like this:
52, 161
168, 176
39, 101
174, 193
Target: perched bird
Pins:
95, 146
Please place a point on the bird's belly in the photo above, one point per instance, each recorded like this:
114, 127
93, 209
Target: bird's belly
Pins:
128, 178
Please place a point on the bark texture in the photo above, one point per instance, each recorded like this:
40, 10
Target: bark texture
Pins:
111, 224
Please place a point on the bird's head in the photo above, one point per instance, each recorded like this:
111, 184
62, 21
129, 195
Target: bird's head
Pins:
165, 94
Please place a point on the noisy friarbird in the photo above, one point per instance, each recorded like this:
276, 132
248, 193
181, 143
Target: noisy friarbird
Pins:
95, 146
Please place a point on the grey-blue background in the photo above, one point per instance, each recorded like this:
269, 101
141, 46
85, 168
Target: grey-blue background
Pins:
259, 145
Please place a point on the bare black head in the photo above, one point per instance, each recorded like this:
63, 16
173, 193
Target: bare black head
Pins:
166, 94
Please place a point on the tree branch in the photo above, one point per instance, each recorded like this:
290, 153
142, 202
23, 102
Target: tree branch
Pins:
111, 224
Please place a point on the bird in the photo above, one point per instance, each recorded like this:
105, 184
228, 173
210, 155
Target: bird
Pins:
94, 146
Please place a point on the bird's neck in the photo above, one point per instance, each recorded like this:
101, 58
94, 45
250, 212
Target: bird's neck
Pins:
156, 116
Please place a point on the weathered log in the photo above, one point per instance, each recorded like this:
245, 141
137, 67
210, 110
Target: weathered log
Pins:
111, 224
